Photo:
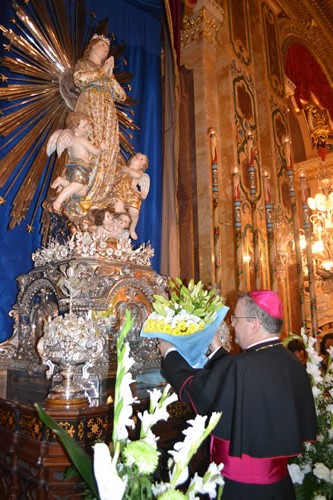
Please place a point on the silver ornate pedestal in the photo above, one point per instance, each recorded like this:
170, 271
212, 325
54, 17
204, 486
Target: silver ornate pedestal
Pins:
85, 281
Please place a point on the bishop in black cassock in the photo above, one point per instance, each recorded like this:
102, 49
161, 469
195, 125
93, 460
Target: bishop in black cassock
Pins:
265, 397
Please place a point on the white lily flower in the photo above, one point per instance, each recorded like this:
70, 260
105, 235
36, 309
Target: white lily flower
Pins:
109, 484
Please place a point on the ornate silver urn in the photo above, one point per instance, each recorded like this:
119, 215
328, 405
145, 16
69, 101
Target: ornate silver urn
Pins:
71, 343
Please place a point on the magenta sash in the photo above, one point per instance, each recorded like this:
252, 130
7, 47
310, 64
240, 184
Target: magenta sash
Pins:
247, 469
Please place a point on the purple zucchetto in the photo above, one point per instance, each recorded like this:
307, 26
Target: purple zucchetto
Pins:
269, 302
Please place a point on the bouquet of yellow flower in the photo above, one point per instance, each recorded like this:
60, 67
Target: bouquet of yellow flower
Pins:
188, 319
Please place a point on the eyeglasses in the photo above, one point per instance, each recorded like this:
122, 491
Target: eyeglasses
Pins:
235, 318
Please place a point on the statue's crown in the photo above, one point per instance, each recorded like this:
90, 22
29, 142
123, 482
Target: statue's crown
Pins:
101, 37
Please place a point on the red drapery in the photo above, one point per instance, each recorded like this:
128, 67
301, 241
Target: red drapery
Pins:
308, 76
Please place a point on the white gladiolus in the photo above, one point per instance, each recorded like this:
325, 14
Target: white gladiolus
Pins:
109, 484
206, 485
157, 411
183, 450
155, 396
127, 361
125, 416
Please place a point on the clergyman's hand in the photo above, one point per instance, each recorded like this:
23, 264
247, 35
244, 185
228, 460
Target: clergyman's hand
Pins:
164, 346
215, 343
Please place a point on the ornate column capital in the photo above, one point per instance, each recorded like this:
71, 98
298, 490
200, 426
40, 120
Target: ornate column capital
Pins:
204, 23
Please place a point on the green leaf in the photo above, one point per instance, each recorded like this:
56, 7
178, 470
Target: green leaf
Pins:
178, 281
79, 457
161, 299
159, 308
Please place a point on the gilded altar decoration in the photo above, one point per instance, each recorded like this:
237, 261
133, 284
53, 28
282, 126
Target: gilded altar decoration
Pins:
319, 123
189, 319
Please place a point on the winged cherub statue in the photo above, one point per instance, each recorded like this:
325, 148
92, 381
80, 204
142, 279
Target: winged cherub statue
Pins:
131, 186
78, 166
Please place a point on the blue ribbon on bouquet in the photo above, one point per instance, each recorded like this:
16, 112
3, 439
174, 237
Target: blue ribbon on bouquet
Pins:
192, 347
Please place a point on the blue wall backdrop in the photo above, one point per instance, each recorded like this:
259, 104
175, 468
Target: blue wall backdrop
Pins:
138, 24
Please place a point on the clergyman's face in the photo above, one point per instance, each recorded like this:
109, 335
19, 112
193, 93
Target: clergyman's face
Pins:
242, 325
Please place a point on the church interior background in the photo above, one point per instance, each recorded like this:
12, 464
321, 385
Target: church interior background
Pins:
256, 94
233, 105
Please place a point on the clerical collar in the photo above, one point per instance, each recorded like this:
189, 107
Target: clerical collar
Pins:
271, 340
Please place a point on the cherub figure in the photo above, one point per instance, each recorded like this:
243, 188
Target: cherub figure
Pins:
78, 165
111, 225
130, 187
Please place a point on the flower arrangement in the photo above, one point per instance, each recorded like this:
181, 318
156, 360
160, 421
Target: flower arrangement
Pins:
188, 310
128, 469
312, 472
188, 319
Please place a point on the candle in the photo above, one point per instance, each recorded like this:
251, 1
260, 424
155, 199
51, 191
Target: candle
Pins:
250, 148
267, 188
236, 183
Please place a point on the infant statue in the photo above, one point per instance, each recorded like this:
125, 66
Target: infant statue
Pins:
111, 225
78, 165
130, 187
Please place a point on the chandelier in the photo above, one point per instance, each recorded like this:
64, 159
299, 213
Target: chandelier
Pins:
321, 218
323, 201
